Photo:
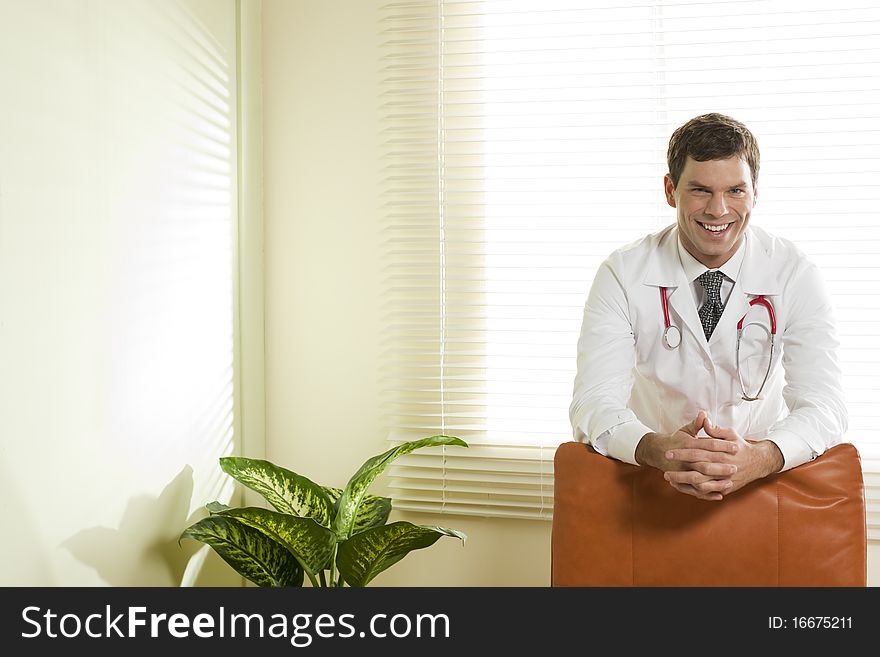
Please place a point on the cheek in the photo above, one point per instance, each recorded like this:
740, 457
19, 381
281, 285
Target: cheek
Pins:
685, 224
743, 208
693, 208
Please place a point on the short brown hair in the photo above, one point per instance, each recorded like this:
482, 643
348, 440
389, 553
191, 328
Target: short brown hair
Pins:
712, 137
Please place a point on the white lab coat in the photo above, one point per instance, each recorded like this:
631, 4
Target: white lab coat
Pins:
629, 383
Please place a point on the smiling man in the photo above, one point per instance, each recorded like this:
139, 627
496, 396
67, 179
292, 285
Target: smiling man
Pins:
708, 350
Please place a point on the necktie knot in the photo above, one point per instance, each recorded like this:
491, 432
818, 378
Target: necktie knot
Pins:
710, 311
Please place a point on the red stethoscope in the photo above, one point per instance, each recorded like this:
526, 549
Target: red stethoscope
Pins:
672, 338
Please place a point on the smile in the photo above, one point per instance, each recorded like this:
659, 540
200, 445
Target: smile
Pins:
716, 229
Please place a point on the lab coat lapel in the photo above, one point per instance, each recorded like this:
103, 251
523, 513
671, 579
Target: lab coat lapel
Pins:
737, 305
664, 270
756, 277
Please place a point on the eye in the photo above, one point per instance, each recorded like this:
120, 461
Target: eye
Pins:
738, 190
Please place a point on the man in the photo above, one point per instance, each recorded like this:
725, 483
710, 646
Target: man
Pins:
658, 347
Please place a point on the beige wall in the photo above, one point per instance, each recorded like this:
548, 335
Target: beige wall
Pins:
117, 191
321, 201
873, 563
324, 274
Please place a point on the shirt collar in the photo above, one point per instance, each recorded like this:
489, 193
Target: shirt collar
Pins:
693, 267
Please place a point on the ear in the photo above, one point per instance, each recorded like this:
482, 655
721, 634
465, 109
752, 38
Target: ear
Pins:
669, 189
755, 196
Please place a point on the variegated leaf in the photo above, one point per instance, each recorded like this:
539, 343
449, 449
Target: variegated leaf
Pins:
373, 511
310, 543
216, 507
334, 494
249, 551
367, 554
357, 486
285, 490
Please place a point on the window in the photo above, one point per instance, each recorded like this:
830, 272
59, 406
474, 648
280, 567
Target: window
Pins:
526, 142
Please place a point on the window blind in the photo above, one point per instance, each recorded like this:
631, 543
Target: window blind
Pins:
524, 143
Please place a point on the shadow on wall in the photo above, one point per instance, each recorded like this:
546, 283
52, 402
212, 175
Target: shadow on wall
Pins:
144, 550
26, 561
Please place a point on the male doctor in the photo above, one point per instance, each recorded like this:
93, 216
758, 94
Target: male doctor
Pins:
661, 380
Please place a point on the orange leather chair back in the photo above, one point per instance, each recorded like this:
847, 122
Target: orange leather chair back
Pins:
616, 524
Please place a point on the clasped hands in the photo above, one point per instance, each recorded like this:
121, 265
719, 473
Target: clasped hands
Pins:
708, 468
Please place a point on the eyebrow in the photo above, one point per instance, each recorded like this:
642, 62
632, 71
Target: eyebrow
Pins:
696, 183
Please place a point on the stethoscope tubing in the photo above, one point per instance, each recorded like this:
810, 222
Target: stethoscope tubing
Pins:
672, 338
671, 334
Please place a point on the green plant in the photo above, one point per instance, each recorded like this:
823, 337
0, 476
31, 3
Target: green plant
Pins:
333, 536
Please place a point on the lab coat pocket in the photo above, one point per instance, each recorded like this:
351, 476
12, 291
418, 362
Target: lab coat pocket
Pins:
753, 377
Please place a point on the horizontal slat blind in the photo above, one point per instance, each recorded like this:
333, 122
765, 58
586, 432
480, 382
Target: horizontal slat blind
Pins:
526, 141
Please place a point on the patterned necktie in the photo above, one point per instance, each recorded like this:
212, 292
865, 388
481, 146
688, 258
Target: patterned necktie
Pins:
711, 310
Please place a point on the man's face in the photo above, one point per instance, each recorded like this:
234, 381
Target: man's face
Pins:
717, 194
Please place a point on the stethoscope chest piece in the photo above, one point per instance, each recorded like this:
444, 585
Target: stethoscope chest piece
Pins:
671, 337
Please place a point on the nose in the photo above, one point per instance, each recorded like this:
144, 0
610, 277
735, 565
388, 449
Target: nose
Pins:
717, 206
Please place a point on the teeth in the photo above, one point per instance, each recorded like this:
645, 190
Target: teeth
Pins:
715, 229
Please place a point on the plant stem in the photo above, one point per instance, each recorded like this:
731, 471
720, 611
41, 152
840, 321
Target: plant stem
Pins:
311, 578
323, 580
333, 566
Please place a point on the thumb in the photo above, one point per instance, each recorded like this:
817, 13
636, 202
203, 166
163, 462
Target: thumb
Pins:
715, 431
691, 428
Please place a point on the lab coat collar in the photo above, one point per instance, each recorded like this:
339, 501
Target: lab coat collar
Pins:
756, 274
664, 266
756, 277
664, 269
693, 268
